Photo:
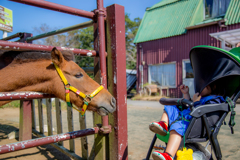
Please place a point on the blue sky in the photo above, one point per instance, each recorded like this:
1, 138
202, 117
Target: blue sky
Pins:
26, 17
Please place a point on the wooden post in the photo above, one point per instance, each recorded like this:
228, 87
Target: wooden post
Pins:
84, 143
33, 115
25, 122
40, 116
70, 127
116, 60
59, 118
49, 116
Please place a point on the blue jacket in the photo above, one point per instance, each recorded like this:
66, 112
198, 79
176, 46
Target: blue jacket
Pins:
175, 115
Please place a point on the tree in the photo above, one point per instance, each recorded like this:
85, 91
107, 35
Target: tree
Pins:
83, 38
68, 39
131, 28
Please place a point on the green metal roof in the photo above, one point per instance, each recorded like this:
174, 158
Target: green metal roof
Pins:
169, 18
232, 15
162, 3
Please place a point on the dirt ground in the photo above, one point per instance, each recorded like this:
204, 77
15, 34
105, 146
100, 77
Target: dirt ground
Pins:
140, 114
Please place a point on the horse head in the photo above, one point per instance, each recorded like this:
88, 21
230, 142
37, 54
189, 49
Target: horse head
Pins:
35, 71
102, 103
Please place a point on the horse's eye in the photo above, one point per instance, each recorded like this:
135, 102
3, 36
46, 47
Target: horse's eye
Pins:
79, 75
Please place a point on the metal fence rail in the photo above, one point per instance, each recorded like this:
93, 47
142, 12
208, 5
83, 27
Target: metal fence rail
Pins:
112, 145
57, 7
6, 45
46, 140
58, 31
26, 127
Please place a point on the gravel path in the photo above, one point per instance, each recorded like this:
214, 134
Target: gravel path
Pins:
140, 114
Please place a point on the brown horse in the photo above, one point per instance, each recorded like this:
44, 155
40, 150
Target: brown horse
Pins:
34, 71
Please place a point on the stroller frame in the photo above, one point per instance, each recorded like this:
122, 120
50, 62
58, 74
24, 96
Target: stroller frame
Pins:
200, 112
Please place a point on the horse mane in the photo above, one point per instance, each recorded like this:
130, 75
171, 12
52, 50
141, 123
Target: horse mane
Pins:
7, 57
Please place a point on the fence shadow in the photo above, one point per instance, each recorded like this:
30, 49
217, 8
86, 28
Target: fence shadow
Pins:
48, 151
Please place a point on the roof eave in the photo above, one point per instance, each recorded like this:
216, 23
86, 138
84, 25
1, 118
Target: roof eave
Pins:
205, 24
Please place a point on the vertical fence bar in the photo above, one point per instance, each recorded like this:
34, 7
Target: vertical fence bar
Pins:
70, 127
26, 115
40, 116
115, 29
25, 121
97, 150
59, 118
49, 116
33, 115
102, 49
84, 143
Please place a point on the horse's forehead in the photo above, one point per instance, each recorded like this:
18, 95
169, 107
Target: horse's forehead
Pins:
71, 66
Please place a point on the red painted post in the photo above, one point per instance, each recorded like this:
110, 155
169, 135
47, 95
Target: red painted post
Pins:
102, 50
25, 120
118, 143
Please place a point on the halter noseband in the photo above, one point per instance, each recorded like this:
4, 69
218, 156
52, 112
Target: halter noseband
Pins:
86, 98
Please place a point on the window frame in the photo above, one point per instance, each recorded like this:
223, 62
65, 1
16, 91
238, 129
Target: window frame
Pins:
184, 68
173, 62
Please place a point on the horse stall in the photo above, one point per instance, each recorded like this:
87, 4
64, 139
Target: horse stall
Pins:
110, 132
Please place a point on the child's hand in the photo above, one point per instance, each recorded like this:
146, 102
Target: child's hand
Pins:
196, 97
184, 89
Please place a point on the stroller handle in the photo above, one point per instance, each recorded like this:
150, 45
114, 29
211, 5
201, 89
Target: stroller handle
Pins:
176, 101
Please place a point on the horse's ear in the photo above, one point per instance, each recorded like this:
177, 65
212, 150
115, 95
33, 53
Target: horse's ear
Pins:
57, 57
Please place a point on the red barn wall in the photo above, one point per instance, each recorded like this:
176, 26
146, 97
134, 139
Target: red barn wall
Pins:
176, 49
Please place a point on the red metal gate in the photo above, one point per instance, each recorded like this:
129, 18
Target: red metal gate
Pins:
114, 126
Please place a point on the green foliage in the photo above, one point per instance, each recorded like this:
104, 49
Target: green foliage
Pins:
83, 38
13, 104
131, 28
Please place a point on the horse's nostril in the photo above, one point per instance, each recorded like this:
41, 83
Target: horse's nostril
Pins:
113, 102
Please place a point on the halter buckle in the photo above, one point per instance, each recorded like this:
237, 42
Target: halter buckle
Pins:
67, 86
87, 99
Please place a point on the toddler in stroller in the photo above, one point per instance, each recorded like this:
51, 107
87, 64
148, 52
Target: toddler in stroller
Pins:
216, 77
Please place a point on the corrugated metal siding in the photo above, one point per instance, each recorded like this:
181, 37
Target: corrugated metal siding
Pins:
169, 20
131, 78
176, 49
233, 12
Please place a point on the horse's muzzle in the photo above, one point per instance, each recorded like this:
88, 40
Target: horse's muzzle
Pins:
113, 104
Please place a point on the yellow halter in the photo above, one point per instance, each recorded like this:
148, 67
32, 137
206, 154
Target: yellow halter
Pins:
86, 98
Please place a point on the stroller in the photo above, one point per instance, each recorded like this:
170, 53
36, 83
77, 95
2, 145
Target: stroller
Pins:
209, 64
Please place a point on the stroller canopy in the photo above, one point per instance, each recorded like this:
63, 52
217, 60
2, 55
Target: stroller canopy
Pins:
211, 64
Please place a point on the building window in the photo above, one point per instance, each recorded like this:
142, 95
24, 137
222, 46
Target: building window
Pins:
208, 8
162, 74
215, 8
188, 77
187, 70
